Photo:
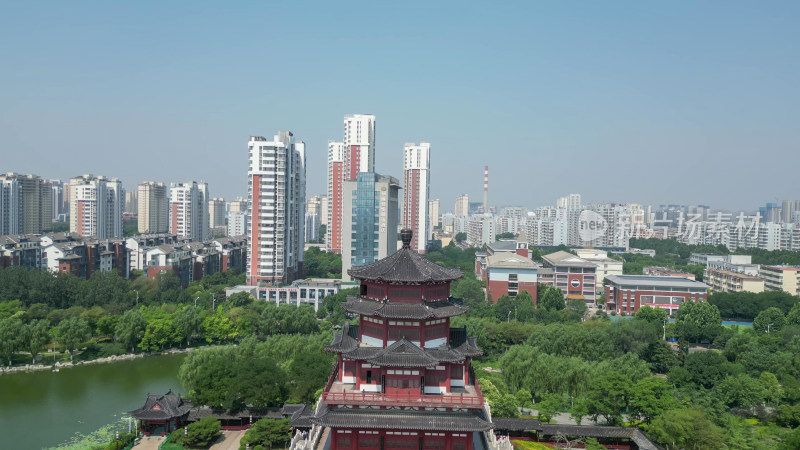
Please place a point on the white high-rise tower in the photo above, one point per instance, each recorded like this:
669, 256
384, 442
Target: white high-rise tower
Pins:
188, 210
416, 190
277, 194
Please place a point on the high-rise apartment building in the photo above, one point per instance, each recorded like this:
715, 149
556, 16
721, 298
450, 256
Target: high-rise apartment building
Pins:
188, 210
462, 206
237, 223
359, 144
369, 220
433, 208
29, 203
131, 202
10, 206
416, 180
333, 233
95, 206
216, 212
57, 190
277, 198
152, 208
238, 205
314, 205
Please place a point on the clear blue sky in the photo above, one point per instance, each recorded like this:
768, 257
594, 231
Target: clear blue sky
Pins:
627, 101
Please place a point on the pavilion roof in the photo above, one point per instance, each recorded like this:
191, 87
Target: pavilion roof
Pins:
402, 420
162, 407
392, 310
405, 266
404, 353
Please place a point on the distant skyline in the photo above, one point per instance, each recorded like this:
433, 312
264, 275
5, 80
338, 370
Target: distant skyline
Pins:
622, 102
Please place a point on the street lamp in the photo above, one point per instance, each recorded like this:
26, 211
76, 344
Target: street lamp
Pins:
116, 439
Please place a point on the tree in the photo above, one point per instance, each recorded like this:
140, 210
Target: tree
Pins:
740, 391
505, 406
267, 433
698, 321
10, 333
608, 396
130, 329
524, 398
72, 333
769, 320
688, 429
651, 315
793, 317
550, 405
579, 409
35, 335
771, 388
706, 368
461, 237
652, 396
552, 299
201, 434
188, 322
158, 333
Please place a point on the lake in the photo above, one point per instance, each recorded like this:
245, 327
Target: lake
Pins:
45, 409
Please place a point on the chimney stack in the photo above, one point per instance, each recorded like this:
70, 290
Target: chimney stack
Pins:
486, 189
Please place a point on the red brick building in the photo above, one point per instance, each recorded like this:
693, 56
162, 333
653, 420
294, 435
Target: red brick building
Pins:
575, 276
625, 294
403, 377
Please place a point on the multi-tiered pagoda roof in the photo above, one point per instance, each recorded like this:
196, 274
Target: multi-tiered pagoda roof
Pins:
403, 377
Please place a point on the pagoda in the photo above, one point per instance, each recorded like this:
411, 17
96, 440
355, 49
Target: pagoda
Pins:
403, 377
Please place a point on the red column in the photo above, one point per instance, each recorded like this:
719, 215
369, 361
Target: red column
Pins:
358, 375
422, 333
385, 333
448, 441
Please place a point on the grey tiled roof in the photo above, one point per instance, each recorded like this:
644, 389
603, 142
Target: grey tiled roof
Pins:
162, 407
403, 353
345, 341
391, 310
405, 266
401, 420
299, 414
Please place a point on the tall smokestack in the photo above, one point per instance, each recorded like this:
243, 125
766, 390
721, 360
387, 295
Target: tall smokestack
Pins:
486, 189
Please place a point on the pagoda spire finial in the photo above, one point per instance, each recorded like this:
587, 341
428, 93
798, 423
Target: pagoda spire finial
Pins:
405, 236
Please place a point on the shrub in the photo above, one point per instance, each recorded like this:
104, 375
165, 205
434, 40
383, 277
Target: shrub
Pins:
202, 433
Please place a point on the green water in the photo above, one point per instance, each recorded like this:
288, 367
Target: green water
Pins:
44, 409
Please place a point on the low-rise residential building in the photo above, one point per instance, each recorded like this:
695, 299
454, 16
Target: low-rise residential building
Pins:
138, 246
735, 263
625, 294
21, 250
169, 257
660, 271
781, 278
575, 276
721, 280
234, 253
702, 259
82, 257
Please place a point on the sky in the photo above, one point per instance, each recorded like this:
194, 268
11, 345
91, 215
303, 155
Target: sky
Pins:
623, 101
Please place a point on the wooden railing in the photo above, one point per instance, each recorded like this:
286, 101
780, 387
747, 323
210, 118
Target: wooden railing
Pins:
332, 379
378, 399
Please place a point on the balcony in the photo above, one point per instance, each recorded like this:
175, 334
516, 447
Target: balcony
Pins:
345, 394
